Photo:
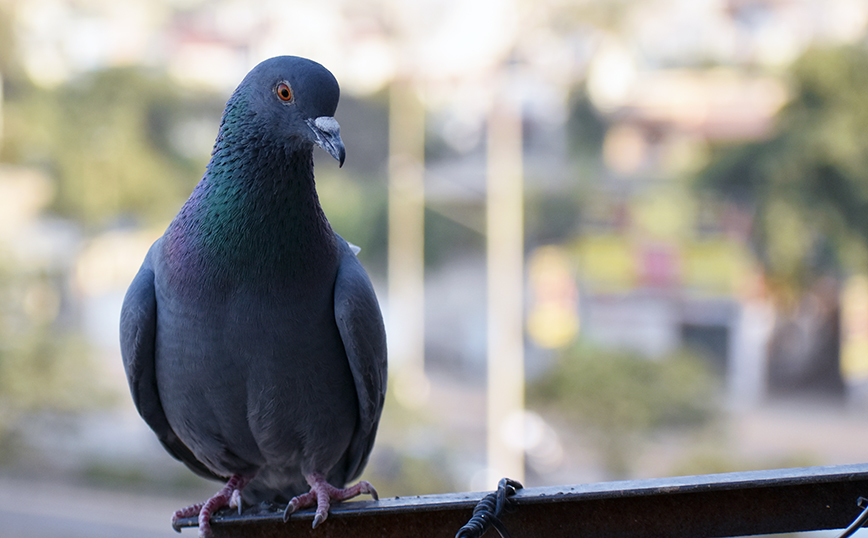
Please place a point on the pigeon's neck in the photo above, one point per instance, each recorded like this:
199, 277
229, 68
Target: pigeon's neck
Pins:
255, 214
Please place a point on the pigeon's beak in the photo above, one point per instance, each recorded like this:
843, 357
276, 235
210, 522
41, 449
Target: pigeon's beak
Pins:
328, 136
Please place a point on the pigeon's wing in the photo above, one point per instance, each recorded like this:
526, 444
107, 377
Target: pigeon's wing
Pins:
138, 339
361, 327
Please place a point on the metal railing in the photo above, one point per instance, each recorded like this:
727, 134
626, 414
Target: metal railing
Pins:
731, 504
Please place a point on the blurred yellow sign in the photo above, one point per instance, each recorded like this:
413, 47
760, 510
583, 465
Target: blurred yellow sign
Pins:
619, 263
607, 263
715, 266
553, 320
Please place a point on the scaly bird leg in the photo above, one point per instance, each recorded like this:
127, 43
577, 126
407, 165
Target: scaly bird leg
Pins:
321, 495
230, 496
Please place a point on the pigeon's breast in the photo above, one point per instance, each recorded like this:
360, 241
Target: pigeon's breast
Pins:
255, 374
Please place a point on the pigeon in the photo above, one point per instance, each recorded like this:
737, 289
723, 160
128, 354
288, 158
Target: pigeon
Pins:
252, 339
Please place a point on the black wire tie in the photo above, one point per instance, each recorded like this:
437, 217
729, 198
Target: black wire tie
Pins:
487, 511
857, 524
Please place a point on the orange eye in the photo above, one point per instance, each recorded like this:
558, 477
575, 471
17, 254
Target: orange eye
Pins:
284, 93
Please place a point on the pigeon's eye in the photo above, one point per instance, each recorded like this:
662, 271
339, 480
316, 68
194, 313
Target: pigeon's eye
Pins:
284, 92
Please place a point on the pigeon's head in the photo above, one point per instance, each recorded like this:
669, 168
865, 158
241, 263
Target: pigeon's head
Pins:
291, 101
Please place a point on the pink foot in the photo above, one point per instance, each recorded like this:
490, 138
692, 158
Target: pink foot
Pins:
321, 495
230, 496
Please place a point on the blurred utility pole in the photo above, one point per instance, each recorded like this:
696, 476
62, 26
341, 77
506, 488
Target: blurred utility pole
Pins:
407, 242
505, 225
1, 109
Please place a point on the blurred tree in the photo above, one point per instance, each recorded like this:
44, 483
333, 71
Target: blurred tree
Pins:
356, 209
807, 187
586, 128
807, 183
114, 140
618, 396
115, 143
7, 40
45, 365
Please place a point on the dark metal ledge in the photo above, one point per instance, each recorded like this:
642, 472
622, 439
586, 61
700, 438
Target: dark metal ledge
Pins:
731, 504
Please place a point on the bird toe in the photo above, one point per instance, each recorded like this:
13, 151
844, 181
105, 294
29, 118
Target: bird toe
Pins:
322, 494
320, 517
189, 511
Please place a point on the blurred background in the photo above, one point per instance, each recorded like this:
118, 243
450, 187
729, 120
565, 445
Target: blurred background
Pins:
611, 239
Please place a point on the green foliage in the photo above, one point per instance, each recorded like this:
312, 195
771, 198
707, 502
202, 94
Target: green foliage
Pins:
356, 210
617, 396
42, 370
399, 474
446, 239
586, 128
43, 366
722, 459
809, 182
111, 140
552, 217
173, 477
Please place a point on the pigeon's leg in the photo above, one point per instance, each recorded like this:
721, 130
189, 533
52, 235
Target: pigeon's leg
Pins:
230, 496
321, 495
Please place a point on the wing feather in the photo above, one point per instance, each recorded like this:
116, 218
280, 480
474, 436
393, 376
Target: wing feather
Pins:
360, 324
138, 341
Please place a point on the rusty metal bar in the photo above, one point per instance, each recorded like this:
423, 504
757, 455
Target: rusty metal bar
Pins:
731, 504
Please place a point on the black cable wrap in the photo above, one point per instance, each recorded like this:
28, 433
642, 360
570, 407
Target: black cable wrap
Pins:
859, 522
487, 511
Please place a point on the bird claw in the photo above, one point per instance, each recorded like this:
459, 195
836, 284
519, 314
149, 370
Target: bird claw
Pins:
301, 501
368, 488
291, 508
321, 495
229, 496
235, 500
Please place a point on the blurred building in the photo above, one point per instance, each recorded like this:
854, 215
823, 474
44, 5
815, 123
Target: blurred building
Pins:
619, 249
